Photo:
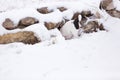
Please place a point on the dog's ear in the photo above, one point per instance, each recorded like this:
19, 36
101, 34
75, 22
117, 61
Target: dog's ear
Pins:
76, 23
60, 25
100, 6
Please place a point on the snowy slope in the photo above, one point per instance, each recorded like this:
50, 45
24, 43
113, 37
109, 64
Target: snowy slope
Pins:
93, 56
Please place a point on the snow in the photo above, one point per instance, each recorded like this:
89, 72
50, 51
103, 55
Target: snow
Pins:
40, 31
92, 56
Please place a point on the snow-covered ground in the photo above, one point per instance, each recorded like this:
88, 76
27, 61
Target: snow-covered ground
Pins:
17, 4
94, 56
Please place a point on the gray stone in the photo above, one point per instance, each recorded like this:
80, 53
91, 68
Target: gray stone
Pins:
107, 4
114, 13
27, 22
8, 24
92, 26
44, 10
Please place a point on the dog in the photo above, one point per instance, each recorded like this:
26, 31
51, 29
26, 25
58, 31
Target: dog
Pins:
70, 29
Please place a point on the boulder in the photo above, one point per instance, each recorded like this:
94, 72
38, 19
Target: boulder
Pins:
114, 13
44, 10
26, 37
8, 24
86, 13
107, 4
27, 22
52, 25
62, 9
92, 26
110, 8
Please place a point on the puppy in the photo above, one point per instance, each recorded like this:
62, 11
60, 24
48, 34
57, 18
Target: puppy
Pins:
70, 29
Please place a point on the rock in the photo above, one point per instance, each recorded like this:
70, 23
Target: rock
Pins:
107, 4
52, 25
114, 13
75, 15
44, 10
26, 37
92, 26
101, 27
62, 9
27, 22
86, 13
110, 8
8, 24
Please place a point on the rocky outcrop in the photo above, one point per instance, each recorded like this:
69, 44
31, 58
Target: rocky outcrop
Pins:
27, 22
26, 37
44, 10
8, 24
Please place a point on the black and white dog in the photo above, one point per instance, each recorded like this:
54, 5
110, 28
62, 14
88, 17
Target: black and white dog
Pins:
70, 29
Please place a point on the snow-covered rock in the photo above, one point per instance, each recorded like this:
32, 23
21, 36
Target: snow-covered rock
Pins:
44, 10
110, 7
8, 24
62, 9
25, 22
107, 4
26, 37
92, 26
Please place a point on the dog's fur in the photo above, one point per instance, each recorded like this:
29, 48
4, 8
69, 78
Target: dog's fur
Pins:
69, 30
